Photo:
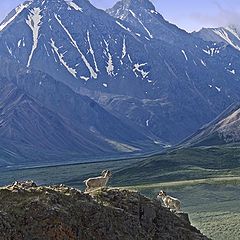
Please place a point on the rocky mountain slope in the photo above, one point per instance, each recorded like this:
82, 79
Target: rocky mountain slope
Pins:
142, 78
28, 125
44, 121
224, 129
28, 211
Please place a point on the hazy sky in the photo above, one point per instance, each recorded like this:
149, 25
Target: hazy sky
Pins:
187, 14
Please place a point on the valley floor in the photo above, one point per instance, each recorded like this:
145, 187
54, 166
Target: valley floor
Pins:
207, 181
213, 205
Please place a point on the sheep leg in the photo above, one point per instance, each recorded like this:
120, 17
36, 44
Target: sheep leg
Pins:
177, 208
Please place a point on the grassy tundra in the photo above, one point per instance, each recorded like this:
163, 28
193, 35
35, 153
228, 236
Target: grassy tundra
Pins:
206, 180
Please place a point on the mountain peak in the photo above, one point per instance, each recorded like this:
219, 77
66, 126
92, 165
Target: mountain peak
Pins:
137, 12
134, 4
149, 23
138, 3
45, 6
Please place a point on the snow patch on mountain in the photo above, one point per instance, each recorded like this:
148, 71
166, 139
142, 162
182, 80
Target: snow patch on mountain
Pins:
211, 51
218, 89
46, 49
147, 123
9, 49
73, 5
145, 28
232, 71
110, 66
61, 59
124, 48
203, 63
92, 72
139, 70
92, 52
84, 78
122, 26
19, 43
154, 12
34, 22
185, 55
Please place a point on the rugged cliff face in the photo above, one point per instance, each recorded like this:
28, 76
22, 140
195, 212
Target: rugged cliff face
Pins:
59, 212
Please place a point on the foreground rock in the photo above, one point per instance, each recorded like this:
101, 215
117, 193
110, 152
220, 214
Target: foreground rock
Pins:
62, 213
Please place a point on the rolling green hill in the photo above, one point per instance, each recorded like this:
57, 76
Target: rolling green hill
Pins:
176, 165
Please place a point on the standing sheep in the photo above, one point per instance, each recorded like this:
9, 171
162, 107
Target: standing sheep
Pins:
170, 202
98, 182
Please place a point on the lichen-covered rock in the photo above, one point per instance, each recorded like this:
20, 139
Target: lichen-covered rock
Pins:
28, 212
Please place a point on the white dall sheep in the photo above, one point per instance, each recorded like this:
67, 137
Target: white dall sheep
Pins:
170, 202
98, 182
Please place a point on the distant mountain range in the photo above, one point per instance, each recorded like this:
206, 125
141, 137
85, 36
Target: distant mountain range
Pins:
103, 83
225, 129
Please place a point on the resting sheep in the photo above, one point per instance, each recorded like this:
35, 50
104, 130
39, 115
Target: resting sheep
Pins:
98, 182
170, 202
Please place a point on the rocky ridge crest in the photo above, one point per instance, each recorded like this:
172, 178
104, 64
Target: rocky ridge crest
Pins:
28, 211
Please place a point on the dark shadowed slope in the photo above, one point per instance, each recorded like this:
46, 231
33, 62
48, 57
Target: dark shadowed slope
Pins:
44, 119
30, 132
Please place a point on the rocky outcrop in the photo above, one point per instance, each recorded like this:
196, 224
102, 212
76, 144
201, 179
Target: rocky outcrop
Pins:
28, 211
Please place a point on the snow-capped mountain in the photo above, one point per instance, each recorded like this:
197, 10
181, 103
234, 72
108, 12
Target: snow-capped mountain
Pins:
188, 74
229, 35
144, 71
142, 15
75, 43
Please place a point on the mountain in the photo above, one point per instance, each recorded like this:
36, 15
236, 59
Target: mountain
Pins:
223, 130
189, 80
43, 121
28, 128
142, 16
157, 118
229, 35
61, 212
142, 70
74, 43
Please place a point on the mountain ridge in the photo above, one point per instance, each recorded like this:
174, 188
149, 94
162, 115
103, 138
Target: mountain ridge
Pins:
152, 80
221, 131
68, 213
230, 35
